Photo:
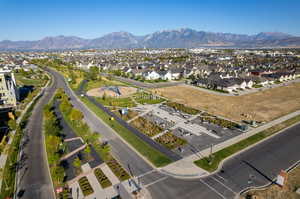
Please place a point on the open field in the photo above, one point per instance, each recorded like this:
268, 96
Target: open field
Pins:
261, 106
116, 91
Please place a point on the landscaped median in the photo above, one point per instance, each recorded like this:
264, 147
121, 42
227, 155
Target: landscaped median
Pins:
211, 163
153, 155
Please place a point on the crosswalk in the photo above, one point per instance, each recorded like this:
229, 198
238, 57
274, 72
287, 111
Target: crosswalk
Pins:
220, 186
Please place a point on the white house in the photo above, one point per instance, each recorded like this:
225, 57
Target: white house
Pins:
165, 75
151, 75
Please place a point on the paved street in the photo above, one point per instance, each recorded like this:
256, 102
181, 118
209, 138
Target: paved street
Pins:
34, 179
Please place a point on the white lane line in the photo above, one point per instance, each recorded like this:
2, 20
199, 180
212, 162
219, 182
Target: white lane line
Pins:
212, 189
156, 181
221, 177
223, 185
148, 172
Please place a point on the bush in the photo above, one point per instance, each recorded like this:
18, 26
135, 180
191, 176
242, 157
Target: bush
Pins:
102, 179
146, 126
183, 108
170, 141
85, 186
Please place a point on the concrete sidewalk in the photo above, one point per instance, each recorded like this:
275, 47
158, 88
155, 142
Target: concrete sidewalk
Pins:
186, 169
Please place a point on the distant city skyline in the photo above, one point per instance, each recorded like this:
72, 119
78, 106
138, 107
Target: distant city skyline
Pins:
33, 19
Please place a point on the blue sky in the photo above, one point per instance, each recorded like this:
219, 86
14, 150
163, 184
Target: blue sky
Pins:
35, 19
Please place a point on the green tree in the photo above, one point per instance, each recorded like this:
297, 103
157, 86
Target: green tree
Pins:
12, 124
92, 74
76, 163
87, 149
65, 106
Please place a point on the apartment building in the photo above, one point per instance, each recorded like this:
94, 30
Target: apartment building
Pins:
8, 90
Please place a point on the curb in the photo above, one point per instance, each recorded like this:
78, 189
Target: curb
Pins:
263, 187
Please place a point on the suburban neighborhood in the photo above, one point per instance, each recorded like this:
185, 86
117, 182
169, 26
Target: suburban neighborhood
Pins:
150, 99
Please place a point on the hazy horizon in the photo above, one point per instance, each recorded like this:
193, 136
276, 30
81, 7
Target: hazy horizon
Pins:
34, 20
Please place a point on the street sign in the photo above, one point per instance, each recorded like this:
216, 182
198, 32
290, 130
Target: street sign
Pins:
281, 178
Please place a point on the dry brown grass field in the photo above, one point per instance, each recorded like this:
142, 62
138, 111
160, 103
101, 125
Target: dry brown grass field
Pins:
276, 192
260, 106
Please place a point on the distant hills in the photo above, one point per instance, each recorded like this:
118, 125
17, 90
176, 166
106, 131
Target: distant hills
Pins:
180, 38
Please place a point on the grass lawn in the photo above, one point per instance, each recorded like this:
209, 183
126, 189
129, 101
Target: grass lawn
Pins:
146, 98
153, 155
22, 80
183, 108
145, 126
119, 102
170, 141
131, 114
211, 164
100, 83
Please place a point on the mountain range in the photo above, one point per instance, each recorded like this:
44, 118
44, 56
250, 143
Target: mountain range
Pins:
180, 38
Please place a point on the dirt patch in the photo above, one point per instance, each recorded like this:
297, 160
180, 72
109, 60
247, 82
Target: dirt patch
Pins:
276, 192
112, 91
260, 106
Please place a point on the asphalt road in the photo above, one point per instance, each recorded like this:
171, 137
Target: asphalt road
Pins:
254, 167
34, 179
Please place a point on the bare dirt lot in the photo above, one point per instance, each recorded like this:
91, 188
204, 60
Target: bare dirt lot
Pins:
123, 91
260, 106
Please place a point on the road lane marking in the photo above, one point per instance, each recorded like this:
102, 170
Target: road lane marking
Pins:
156, 181
148, 172
224, 185
221, 177
212, 189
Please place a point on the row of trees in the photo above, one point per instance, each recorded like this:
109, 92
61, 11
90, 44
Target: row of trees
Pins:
54, 145
74, 117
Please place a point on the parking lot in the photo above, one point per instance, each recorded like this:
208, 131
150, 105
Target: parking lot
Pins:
198, 133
